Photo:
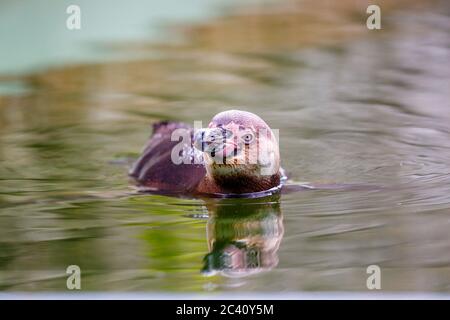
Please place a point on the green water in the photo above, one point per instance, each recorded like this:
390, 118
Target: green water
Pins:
370, 109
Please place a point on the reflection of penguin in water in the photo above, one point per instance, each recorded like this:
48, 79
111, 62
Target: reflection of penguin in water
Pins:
243, 236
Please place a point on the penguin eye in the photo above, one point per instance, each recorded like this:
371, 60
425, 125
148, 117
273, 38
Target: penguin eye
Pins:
248, 138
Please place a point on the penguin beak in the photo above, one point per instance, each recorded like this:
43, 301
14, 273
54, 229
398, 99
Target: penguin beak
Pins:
199, 139
217, 142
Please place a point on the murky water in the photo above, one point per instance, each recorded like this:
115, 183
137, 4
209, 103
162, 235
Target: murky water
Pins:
353, 107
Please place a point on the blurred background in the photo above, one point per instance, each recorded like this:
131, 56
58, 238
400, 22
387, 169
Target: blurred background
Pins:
353, 106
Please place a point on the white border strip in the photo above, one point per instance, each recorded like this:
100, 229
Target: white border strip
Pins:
224, 296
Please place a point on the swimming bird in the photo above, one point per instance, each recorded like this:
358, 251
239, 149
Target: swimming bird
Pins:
236, 155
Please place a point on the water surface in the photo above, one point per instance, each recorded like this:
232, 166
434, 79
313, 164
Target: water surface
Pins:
353, 107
